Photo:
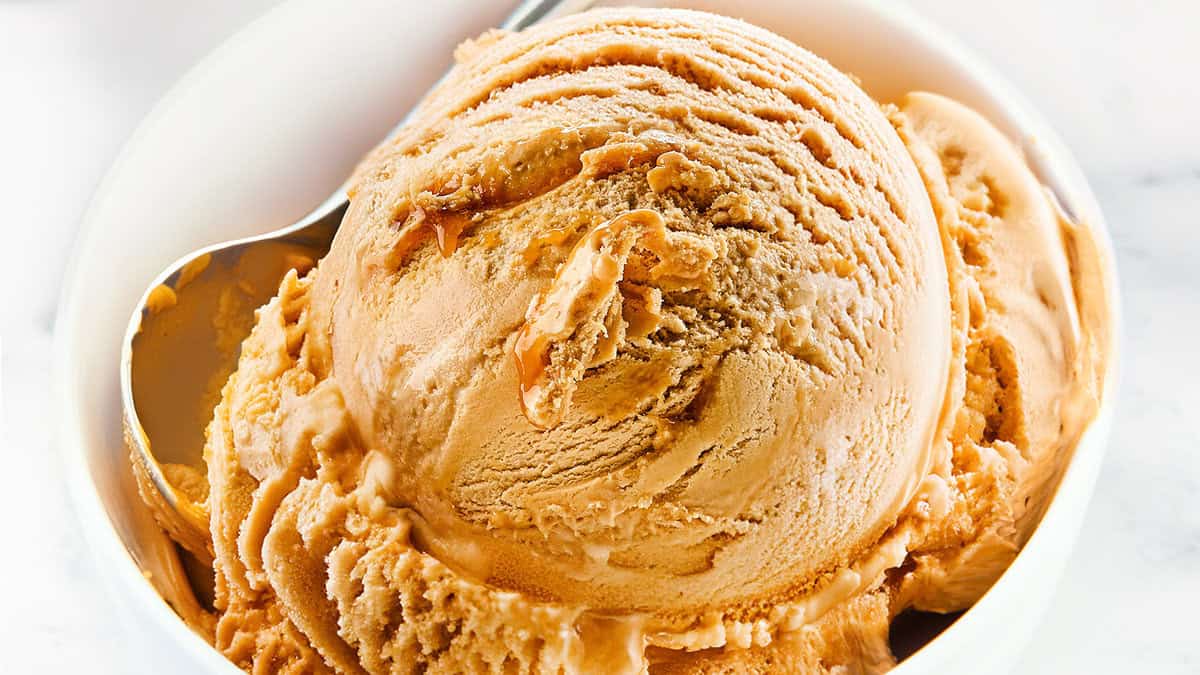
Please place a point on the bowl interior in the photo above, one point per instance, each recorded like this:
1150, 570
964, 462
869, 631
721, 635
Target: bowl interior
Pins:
272, 122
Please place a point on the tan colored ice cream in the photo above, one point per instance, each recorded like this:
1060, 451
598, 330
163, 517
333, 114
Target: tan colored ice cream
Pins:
652, 343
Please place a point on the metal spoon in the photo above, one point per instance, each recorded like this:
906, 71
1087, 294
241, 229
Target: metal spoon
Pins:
184, 335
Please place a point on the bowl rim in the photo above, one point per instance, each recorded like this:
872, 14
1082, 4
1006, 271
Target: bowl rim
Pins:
70, 439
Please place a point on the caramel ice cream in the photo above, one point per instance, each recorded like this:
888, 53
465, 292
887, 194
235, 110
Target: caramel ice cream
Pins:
651, 344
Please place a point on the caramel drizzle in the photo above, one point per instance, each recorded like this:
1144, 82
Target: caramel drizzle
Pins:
554, 312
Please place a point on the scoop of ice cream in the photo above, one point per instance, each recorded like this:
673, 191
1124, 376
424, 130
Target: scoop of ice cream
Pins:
647, 310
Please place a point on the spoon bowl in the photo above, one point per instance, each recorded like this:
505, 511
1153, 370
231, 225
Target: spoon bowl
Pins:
182, 343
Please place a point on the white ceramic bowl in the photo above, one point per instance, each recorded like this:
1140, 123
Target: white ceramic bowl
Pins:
272, 121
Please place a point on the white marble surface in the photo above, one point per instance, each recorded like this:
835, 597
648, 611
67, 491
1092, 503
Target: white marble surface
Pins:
1118, 78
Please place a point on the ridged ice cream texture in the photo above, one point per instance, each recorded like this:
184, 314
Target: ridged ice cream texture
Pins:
651, 342
737, 343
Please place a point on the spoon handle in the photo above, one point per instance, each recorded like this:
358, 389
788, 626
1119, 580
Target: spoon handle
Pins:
530, 12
